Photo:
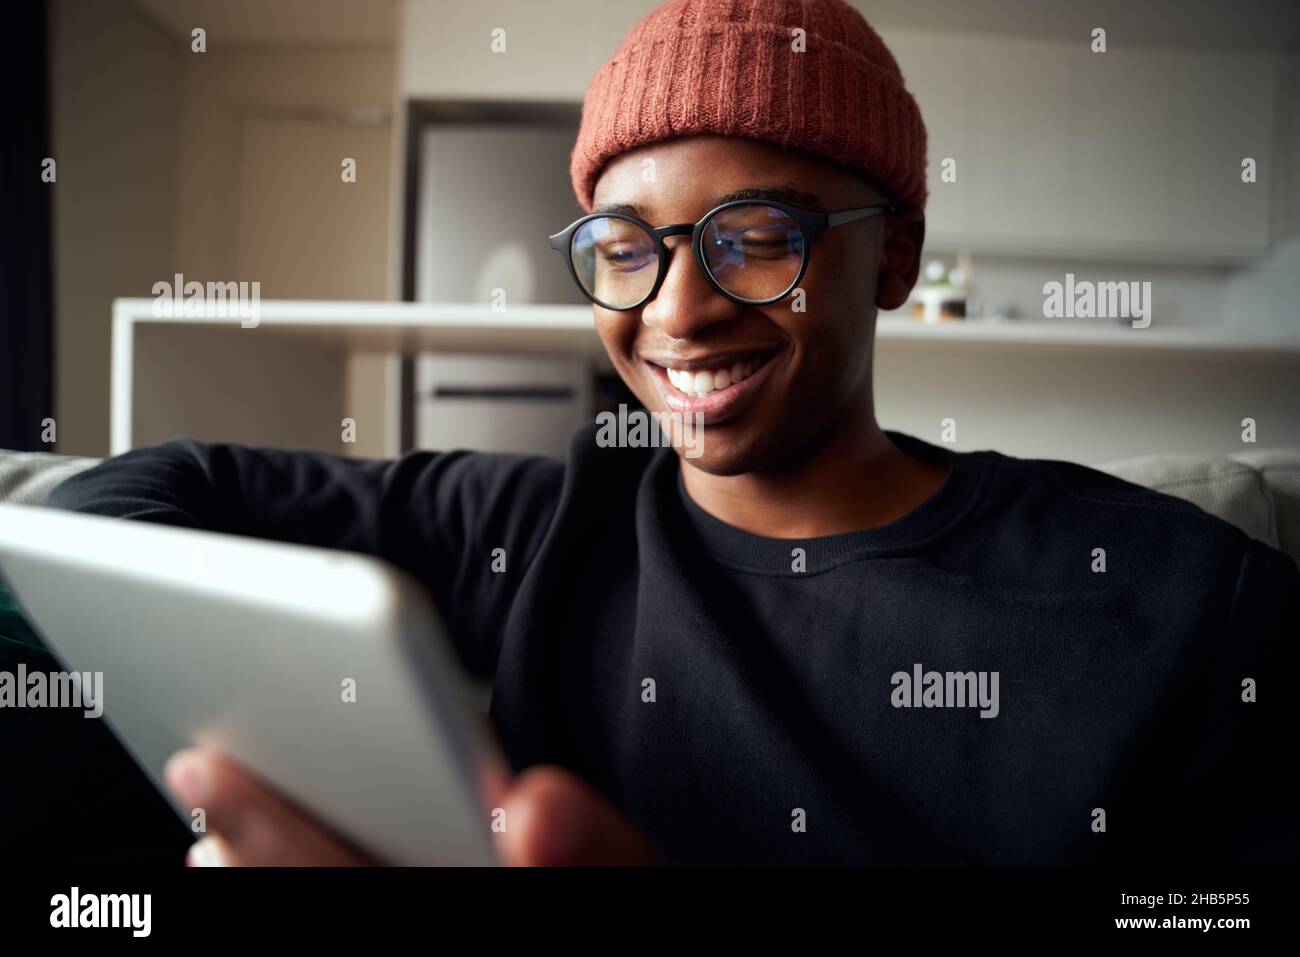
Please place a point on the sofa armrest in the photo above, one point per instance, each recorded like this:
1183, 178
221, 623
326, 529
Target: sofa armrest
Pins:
27, 478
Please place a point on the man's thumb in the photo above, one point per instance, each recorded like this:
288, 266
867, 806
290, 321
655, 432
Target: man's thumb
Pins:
555, 819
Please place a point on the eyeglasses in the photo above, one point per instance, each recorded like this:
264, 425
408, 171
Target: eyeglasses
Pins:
754, 252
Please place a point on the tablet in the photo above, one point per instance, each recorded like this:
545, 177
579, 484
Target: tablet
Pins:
327, 673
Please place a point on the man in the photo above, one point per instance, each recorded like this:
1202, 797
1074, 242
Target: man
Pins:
810, 640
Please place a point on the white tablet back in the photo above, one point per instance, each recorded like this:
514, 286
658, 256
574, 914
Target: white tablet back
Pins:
325, 672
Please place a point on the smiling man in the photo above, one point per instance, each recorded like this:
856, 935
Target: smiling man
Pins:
695, 656
790, 438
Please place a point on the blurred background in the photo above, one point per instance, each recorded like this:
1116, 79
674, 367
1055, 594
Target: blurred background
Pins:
421, 302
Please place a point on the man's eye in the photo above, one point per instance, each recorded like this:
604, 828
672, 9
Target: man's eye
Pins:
756, 241
620, 254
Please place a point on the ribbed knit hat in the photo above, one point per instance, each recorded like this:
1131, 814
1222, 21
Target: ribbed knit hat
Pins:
731, 67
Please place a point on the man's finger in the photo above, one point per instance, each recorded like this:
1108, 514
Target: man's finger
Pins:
256, 825
554, 818
211, 851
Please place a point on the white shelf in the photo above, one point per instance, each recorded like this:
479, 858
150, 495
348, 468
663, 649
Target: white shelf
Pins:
403, 326
570, 330
1039, 388
1070, 334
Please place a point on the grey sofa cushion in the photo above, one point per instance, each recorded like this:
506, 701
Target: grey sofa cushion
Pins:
1257, 491
26, 478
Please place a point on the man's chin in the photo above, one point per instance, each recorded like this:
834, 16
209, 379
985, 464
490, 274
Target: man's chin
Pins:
771, 450
718, 457
704, 465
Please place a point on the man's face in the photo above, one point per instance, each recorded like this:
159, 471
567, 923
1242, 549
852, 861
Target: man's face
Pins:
804, 372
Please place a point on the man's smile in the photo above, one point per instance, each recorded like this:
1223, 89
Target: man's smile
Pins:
716, 385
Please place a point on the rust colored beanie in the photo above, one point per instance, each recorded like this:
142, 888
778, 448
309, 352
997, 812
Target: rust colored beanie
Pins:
731, 67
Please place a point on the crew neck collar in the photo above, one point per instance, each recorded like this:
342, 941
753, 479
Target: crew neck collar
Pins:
950, 503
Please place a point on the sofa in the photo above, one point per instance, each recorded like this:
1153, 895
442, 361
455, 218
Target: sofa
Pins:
26, 478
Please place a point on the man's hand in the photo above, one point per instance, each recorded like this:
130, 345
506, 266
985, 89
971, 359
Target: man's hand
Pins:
554, 818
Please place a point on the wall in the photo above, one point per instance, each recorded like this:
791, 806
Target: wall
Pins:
116, 105
1180, 295
241, 207
153, 143
219, 89
552, 48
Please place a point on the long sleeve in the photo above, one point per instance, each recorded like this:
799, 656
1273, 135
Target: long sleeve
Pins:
1247, 806
438, 515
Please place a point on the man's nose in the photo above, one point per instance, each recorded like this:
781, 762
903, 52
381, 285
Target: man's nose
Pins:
685, 303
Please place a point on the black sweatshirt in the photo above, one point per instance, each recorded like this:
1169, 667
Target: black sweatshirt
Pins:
963, 685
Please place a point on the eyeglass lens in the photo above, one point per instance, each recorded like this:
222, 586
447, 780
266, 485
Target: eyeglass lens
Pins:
752, 251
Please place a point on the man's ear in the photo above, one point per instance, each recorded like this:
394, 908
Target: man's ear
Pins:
901, 262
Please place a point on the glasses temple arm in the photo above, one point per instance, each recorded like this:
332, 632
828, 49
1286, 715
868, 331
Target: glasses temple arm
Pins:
849, 215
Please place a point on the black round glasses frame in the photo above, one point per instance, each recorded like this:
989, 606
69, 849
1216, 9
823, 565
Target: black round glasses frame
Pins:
810, 223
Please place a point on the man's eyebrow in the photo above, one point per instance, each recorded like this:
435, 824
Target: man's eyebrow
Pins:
631, 209
780, 194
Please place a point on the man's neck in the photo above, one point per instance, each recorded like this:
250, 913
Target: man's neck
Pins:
858, 479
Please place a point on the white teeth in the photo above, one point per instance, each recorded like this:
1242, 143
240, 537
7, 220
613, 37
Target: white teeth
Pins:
702, 383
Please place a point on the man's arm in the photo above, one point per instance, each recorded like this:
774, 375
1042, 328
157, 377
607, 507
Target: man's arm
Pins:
1250, 809
438, 515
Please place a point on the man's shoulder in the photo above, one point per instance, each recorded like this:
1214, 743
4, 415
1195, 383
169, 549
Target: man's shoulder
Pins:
1089, 498
1092, 486
1168, 561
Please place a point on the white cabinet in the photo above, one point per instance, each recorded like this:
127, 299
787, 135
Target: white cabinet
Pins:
1118, 123
937, 69
1223, 109
1018, 169
500, 403
1132, 154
